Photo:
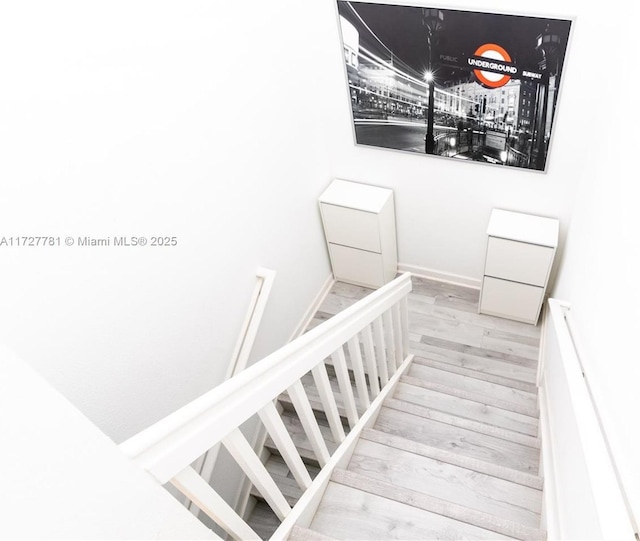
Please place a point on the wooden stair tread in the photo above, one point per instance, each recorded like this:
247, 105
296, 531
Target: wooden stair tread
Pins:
453, 390
467, 522
443, 455
462, 407
461, 440
519, 400
514, 383
449, 482
479, 364
427, 325
350, 513
473, 333
457, 421
443, 344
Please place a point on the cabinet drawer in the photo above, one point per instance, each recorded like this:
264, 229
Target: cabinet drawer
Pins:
511, 300
356, 266
518, 261
350, 227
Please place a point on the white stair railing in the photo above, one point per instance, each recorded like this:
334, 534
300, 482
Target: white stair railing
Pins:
582, 496
252, 322
375, 332
242, 352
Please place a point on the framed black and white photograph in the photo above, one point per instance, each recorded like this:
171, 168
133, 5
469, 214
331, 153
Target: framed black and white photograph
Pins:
457, 84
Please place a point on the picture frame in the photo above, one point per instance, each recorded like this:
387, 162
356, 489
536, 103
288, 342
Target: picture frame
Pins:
476, 86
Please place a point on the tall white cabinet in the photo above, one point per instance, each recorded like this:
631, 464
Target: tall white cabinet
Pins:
360, 229
520, 253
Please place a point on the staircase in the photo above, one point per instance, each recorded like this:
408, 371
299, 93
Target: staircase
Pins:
453, 452
405, 415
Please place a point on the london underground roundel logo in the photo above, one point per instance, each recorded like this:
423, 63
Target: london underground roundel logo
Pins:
498, 78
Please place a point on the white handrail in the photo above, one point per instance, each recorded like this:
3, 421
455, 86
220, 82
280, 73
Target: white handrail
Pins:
572, 326
250, 327
242, 351
167, 448
578, 467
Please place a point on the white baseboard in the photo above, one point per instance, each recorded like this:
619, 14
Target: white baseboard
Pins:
313, 308
439, 276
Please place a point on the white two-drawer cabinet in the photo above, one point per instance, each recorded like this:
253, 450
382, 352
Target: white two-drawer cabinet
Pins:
520, 253
360, 229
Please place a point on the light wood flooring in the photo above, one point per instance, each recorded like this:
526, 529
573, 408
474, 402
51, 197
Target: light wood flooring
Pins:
454, 453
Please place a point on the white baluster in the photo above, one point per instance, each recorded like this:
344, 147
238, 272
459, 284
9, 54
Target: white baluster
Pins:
358, 371
370, 359
328, 400
210, 502
397, 333
307, 418
252, 466
342, 373
378, 335
389, 341
275, 426
404, 318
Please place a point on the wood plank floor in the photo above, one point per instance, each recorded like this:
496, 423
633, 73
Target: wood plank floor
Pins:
454, 453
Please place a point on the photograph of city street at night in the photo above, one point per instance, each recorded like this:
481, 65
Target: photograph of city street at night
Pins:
458, 84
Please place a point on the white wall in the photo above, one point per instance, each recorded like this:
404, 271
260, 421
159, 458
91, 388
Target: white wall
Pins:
599, 271
186, 119
83, 487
